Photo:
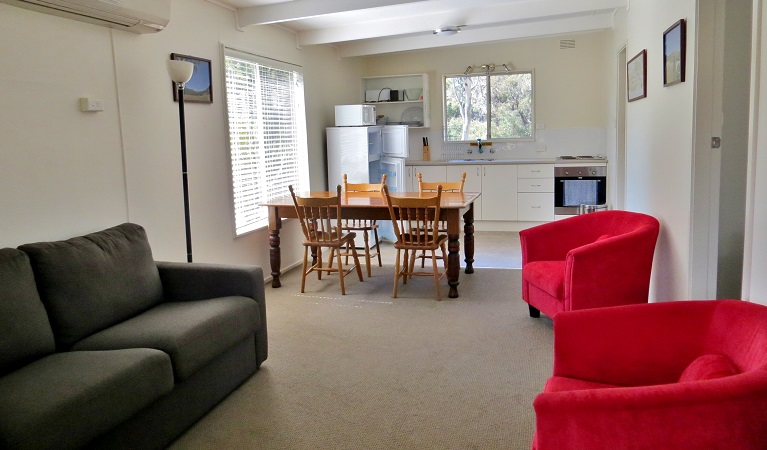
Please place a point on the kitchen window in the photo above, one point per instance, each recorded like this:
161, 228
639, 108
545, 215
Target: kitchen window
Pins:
489, 106
267, 134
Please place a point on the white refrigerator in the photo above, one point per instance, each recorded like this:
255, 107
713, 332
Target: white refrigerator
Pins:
364, 154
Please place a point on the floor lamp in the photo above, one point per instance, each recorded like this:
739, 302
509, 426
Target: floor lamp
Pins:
181, 72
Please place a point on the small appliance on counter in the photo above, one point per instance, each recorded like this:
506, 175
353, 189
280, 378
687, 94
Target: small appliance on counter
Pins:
355, 115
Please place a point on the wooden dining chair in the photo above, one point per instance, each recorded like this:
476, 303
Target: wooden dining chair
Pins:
415, 225
366, 226
424, 186
321, 224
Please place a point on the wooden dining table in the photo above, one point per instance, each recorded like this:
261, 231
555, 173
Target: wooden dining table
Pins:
372, 205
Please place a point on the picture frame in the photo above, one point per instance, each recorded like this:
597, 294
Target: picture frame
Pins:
674, 53
636, 76
199, 89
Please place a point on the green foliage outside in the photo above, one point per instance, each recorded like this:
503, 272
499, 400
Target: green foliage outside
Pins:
508, 98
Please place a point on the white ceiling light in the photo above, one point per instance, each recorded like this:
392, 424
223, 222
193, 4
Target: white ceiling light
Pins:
446, 30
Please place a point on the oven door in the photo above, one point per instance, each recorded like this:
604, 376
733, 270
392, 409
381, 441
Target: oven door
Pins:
571, 192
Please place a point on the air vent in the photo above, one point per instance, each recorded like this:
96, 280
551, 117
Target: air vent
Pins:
566, 44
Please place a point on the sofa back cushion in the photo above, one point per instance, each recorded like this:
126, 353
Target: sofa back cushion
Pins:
91, 282
708, 367
26, 333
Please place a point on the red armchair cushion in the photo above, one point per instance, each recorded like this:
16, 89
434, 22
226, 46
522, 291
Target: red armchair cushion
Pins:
549, 276
708, 367
565, 384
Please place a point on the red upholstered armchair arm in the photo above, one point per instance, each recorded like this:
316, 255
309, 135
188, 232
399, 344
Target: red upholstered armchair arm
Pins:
630, 345
670, 416
619, 265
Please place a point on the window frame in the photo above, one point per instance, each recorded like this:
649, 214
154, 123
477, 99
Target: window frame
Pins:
489, 106
301, 136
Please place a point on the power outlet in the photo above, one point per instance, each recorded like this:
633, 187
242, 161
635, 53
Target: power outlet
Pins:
91, 104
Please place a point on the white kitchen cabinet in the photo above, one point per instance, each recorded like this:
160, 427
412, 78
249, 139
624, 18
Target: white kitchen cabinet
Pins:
401, 110
535, 193
499, 192
473, 183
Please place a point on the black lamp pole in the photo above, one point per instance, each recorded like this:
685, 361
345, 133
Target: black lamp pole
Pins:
184, 175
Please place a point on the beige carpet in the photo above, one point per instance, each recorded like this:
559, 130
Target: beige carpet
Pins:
366, 371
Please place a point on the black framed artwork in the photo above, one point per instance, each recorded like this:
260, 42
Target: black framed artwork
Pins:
674, 53
199, 88
636, 76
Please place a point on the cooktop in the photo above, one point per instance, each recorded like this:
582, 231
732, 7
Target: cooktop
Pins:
581, 157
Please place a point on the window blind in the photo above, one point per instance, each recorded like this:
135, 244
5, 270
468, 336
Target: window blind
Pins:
267, 134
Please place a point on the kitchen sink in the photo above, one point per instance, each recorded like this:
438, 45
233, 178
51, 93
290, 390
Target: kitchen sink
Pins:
469, 160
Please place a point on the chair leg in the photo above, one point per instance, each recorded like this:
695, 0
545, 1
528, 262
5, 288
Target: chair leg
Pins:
319, 261
357, 264
436, 273
367, 252
534, 312
407, 261
303, 269
340, 269
396, 274
378, 246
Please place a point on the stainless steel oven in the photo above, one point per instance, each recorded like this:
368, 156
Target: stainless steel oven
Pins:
576, 185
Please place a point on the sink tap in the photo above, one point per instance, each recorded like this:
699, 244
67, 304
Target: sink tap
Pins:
479, 146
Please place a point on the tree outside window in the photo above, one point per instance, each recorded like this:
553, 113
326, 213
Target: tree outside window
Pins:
489, 106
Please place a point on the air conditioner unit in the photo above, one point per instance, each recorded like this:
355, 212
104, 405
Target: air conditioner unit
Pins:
138, 16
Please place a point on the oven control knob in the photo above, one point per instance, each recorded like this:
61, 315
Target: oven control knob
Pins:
593, 172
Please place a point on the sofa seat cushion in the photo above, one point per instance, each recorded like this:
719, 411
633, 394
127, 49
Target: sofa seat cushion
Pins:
65, 400
26, 334
91, 282
549, 276
564, 384
192, 333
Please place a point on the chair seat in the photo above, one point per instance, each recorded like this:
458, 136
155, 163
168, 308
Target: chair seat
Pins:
419, 241
565, 384
549, 276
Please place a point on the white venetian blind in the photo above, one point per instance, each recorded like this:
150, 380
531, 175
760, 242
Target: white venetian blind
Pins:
267, 134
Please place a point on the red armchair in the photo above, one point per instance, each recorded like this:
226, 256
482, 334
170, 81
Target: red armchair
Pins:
676, 375
588, 261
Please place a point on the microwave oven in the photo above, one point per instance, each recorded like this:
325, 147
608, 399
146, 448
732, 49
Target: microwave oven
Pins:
355, 115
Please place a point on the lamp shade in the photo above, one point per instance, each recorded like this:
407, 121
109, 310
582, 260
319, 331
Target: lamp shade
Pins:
180, 71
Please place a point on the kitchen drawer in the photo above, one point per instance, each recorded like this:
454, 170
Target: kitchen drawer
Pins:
535, 185
535, 206
535, 171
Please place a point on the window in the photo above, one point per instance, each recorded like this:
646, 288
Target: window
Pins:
267, 134
489, 106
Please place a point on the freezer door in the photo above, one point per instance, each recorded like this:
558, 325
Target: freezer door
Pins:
394, 168
395, 141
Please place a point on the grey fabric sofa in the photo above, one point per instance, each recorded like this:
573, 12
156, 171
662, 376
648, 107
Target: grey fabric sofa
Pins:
102, 347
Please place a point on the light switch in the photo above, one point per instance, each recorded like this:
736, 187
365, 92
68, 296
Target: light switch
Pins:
88, 104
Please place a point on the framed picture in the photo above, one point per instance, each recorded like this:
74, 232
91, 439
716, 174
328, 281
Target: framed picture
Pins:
199, 88
636, 76
674, 50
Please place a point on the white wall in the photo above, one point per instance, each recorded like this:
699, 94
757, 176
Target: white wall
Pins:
65, 172
569, 87
660, 141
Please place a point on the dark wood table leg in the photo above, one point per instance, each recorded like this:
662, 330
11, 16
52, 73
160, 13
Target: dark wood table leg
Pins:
468, 238
274, 246
453, 251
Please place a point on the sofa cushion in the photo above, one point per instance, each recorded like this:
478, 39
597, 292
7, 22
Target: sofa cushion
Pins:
708, 367
65, 400
548, 276
91, 282
192, 333
26, 334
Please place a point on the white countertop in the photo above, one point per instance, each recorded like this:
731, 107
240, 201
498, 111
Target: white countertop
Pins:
505, 161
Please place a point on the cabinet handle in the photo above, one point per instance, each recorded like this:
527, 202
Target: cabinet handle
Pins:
535, 171
536, 207
477, 171
535, 185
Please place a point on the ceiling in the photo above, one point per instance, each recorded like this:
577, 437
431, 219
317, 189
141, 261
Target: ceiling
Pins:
369, 27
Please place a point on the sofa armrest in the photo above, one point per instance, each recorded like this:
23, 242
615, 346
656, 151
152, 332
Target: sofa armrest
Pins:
551, 241
723, 413
199, 281
631, 345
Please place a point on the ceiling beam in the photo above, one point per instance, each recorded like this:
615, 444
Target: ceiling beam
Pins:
525, 30
424, 18
304, 9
